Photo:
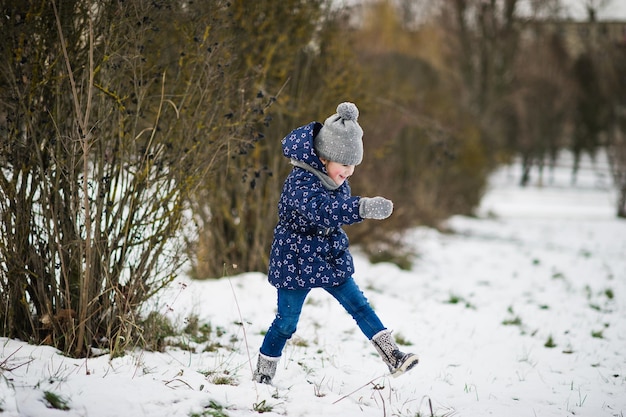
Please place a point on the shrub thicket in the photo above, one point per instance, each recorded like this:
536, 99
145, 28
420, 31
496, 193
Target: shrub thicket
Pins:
113, 115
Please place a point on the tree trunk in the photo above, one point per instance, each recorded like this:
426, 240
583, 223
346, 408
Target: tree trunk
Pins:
621, 202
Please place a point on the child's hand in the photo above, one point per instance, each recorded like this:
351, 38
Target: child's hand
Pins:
375, 208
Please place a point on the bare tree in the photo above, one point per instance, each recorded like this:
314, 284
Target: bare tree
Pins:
612, 61
599, 120
541, 102
617, 158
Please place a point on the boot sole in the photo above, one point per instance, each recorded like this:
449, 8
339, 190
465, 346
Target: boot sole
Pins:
406, 366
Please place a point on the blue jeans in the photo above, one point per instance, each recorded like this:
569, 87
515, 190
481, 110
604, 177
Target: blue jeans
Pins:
290, 304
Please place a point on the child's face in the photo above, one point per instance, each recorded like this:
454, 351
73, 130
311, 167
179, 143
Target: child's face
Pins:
338, 172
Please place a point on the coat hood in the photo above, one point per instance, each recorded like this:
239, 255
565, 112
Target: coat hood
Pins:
298, 145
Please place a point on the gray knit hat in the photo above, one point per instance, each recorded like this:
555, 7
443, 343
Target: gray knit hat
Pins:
341, 138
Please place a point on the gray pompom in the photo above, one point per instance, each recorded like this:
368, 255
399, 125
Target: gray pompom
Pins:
348, 111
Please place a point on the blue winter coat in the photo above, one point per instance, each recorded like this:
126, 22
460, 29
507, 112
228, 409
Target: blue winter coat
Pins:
310, 249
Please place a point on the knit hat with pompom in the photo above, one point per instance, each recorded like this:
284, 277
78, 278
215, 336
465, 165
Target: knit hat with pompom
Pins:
341, 138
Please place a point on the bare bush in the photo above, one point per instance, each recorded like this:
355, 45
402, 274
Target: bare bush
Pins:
114, 113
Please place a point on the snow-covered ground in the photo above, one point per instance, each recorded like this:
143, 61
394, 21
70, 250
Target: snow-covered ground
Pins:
519, 312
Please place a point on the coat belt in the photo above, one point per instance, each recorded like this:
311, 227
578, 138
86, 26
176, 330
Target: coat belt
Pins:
313, 230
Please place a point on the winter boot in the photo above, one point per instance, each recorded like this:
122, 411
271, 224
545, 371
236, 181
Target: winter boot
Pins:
397, 361
265, 369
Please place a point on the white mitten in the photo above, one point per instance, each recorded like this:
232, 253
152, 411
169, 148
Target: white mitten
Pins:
375, 208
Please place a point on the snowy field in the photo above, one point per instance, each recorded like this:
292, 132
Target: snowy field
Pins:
520, 311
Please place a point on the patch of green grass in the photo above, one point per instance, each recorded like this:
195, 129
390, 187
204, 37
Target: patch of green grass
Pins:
515, 321
550, 343
207, 373
182, 345
224, 380
220, 378
457, 299
220, 331
262, 407
454, 299
212, 347
233, 339
212, 410
597, 334
595, 307
298, 341
305, 367
198, 332
156, 329
401, 340
55, 401
159, 333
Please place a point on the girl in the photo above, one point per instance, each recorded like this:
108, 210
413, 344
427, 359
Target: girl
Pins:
310, 249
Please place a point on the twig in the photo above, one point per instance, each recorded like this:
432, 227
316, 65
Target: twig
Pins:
377, 389
371, 381
243, 327
9, 357
177, 380
4, 364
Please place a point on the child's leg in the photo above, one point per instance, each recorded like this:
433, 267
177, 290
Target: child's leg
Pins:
352, 299
284, 325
